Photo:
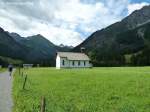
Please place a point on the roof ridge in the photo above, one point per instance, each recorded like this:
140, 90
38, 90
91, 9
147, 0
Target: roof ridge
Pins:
72, 52
74, 55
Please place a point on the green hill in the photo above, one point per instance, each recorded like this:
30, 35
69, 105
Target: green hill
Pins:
108, 47
34, 49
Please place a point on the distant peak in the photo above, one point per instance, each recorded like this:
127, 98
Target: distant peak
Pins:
62, 45
39, 35
15, 34
145, 8
36, 36
1, 29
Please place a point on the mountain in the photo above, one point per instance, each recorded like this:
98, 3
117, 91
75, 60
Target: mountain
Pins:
33, 49
110, 45
39, 45
64, 48
136, 43
9, 47
16, 37
39, 48
124, 42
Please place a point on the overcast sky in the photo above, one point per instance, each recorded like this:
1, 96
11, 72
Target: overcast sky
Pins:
63, 21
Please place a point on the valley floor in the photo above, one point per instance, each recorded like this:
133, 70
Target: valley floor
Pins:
120, 89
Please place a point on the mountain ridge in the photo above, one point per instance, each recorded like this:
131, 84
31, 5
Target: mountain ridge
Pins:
34, 49
106, 47
100, 43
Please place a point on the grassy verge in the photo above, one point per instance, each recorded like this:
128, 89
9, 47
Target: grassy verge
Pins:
2, 70
84, 90
7, 60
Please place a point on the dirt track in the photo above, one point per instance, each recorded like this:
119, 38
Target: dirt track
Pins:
6, 102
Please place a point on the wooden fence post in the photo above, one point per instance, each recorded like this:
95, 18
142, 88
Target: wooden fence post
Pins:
24, 82
43, 100
19, 70
22, 74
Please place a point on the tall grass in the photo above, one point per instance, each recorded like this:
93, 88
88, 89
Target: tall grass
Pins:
2, 70
84, 90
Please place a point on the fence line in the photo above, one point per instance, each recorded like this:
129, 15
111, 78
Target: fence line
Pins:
43, 104
25, 80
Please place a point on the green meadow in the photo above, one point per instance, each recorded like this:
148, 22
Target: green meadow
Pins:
120, 89
2, 70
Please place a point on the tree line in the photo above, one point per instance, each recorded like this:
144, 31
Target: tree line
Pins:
113, 59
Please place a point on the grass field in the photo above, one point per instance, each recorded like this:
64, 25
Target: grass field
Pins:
84, 90
2, 70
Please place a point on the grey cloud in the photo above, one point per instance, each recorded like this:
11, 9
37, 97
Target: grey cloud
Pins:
29, 10
33, 9
89, 1
15, 0
21, 22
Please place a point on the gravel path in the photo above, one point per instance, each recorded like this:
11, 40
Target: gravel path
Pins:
6, 102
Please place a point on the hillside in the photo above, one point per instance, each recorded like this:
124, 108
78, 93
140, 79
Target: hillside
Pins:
4, 61
108, 46
9, 47
34, 49
121, 89
136, 42
40, 49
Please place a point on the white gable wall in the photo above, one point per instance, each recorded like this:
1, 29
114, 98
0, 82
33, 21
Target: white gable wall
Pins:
66, 63
57, 62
